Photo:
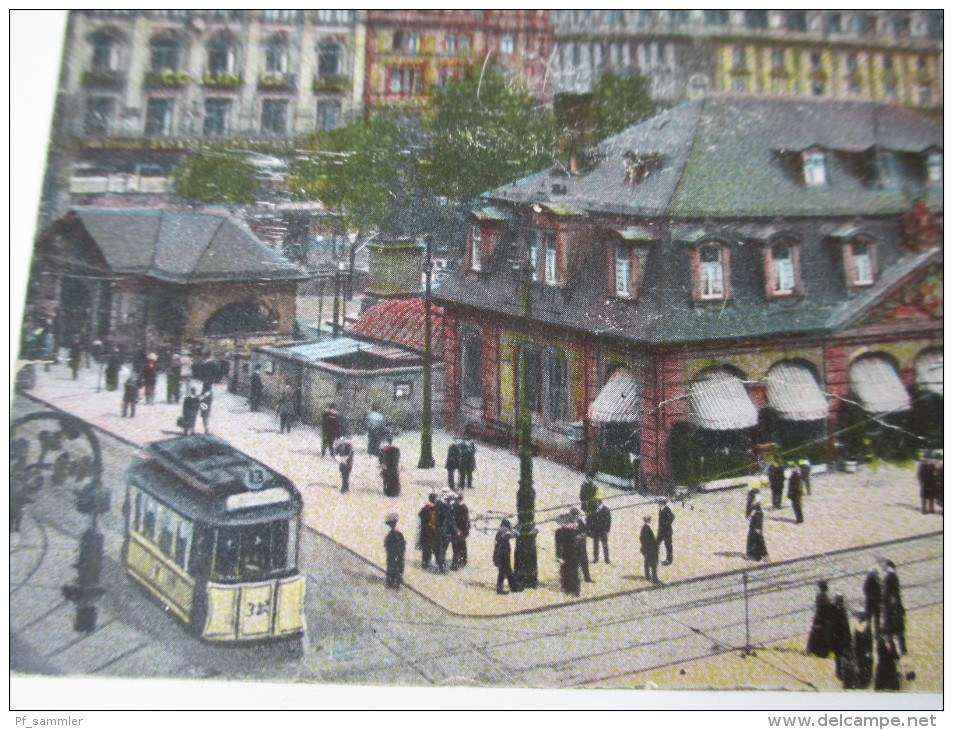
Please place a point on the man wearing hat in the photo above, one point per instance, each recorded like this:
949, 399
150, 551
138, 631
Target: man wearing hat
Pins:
452, 463
446, 526
665, 519
461, 516
502, 558
394, 546
649, 549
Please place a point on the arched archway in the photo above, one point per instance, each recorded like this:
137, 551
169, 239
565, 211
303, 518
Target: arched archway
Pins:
245, 316
797, 411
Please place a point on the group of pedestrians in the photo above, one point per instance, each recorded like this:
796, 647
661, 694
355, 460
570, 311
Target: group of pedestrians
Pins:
930, 478
460, 463
851, 637
443, 523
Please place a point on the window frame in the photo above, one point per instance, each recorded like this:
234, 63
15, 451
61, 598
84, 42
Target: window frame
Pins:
225, 105
700, 269
476, 247
851, 260
772, 280
268, 118
164, 106
627, 257
98, 115
326, 51
934, 168
815, 173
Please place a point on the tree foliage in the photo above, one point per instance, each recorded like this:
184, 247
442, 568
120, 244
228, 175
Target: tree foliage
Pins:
484, 131
620, 103
210, 177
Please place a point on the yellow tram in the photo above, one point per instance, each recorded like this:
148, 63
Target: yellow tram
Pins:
213, 534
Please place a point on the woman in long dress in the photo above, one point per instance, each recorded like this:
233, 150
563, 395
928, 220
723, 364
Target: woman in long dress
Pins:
756, 548
819, 639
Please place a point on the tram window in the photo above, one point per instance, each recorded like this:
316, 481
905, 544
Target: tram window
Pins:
149, 518
183, 541
167, 532
279, 545
227, 552
257, 551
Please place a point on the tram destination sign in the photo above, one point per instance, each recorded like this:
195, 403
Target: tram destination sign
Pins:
247, 500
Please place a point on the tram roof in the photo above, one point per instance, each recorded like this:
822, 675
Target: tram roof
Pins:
209, 480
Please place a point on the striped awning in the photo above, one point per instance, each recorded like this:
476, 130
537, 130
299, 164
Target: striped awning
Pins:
719, 402
930, 372
619, 401
794, 394
877, 386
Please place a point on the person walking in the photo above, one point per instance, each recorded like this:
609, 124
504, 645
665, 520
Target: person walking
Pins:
113, 364
873, 598
427, 530
893, 619
376, 429
588, 493
749, 504
582, 554
601, 521
502, 558
190, 411
75, 356
205, 406
819, 637
286, 409
565, 541
796, 494
926, 476
842, 644
395, 547
330, 429
776, 483
648, 546
755, 548
255, 389
452, 463
390, 468
150, 377
461, 518
343, 452
130, 396
173, 377
446, 526
467, 463
665, 519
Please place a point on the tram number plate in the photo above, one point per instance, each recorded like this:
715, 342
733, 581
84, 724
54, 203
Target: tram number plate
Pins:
255, 479
257, 608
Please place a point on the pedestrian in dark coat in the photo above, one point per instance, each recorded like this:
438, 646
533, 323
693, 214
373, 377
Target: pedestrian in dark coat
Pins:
467, 463
893, 620
796, 495
446, 526
566, 554
390, 468
756, 549
330, 429
452, 463
286, 409
502, 558
776, 483
112, 369
873, 598
582, 554
150, 376
864, 654
75, 356
665, 519
139, 362
749, 504
394, 546
255, 390
926, 475
461, 518
130, 396
601, 523
648, 546
588, 493
888, 672
819, 638
842, 644
173, 377
343, 452
190, 411
427, 531
205, 406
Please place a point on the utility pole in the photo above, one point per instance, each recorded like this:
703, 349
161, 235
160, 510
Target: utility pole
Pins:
426, 435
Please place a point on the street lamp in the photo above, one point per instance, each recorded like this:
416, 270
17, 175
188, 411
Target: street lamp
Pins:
525, 563
426, 436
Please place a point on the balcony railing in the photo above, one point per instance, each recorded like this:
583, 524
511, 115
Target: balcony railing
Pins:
222, 80
119, 183
167, 79
329, 84
276, 82
102, 78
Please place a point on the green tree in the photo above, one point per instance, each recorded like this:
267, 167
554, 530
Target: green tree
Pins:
213, 177
620, 103
484, 131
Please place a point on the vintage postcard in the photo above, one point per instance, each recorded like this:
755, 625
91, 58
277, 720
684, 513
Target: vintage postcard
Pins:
477, 352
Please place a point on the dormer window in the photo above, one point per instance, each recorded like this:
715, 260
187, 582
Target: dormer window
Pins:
861, 265
543, 257
639, 166
623, 271
782, 269
552, 270
934, 168
476, 248
815, 170
710, 272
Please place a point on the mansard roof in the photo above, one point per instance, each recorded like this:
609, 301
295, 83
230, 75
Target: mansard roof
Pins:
726, 155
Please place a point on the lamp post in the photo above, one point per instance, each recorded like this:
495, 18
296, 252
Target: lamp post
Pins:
426, 435
525, 563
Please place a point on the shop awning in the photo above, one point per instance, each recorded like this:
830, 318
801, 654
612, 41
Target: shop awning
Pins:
877, 386
794, 394
930, 372
719, 402
619, 401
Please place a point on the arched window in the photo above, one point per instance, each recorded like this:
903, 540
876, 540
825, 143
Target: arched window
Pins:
710, 271
782, 268
471, 363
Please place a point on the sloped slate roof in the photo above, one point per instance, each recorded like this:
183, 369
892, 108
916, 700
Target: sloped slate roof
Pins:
402, 321
724, 155
183, 246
